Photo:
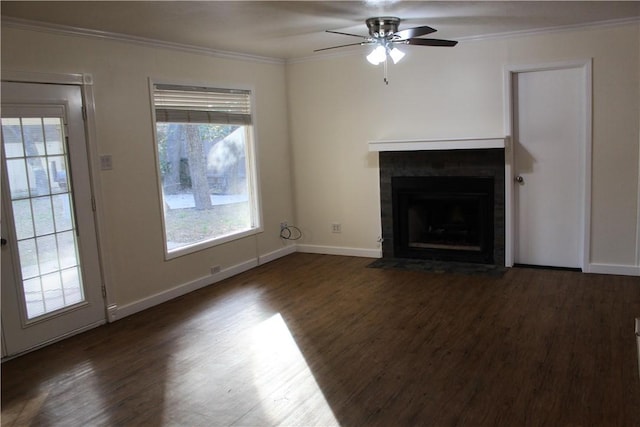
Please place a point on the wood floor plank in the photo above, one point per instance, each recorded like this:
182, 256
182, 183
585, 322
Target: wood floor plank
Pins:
324, 340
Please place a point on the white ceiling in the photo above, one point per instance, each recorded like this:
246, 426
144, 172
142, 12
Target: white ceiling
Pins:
289, 30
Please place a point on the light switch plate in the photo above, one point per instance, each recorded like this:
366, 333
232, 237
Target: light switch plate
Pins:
106, 162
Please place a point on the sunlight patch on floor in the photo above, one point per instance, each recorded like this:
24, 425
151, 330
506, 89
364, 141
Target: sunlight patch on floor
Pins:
288, 392
249, 372
23, 412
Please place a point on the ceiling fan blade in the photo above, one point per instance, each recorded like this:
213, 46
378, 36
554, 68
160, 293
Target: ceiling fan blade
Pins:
432, 42
414, 32
336, 47
344, 34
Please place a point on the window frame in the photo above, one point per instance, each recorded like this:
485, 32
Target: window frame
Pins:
253, 172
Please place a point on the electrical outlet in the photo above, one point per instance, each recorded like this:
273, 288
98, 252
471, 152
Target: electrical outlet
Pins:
215, 269
336, 227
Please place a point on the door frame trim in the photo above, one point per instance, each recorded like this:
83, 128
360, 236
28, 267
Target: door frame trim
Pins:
85, 81
509, 73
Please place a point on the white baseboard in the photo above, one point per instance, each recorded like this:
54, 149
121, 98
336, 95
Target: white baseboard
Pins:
164, 296
279, 253
338, 250
622, 270
115, 312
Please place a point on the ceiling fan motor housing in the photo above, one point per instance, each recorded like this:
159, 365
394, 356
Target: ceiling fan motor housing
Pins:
382, 27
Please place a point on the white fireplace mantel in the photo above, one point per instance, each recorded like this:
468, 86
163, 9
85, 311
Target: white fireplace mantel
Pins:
437, 144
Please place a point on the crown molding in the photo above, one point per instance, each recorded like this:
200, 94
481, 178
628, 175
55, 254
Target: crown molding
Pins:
25, 24
494, 36
552, 30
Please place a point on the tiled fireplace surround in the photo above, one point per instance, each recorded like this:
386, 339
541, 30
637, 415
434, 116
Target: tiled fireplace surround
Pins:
442, 162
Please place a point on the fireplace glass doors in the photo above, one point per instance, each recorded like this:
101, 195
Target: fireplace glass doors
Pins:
443, 218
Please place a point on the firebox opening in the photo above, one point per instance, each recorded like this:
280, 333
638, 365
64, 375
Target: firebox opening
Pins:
444, 224
444, 218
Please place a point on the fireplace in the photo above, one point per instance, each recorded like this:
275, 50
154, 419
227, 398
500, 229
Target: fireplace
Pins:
453, 204
447, 218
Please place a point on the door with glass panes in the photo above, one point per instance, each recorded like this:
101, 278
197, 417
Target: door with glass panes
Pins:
51, 282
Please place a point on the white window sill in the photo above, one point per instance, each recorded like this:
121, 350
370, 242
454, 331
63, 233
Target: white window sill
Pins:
185, 250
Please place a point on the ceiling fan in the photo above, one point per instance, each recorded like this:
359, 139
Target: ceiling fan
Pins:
384, 35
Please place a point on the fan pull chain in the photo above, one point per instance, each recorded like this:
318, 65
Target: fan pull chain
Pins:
386, 80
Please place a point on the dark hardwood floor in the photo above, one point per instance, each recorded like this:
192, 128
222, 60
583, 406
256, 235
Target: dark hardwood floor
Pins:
324, 340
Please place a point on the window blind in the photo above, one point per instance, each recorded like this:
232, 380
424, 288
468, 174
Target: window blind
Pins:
190, 104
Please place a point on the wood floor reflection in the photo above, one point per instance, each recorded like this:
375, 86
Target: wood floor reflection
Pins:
324, 340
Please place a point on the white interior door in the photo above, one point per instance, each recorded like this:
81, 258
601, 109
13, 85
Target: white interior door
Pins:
51, 283
549, 135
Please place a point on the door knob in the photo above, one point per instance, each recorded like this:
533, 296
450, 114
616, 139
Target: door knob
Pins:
519, 179
3, 242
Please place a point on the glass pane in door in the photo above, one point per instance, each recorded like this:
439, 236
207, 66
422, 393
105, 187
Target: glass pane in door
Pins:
36, 161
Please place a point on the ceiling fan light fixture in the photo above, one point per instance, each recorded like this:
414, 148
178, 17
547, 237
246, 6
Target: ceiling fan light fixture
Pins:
396, 55
378, 55
384, 36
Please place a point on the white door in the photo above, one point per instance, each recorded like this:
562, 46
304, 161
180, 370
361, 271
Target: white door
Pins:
51, 283
549, 128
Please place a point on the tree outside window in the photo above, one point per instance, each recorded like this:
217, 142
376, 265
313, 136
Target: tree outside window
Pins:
205, 168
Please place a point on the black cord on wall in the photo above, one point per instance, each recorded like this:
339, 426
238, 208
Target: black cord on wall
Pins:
290, 232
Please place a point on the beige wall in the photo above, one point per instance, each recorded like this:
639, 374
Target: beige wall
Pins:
339, 104
129, 192
314, 118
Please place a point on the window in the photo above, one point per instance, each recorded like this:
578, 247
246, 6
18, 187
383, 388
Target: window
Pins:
206, 166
